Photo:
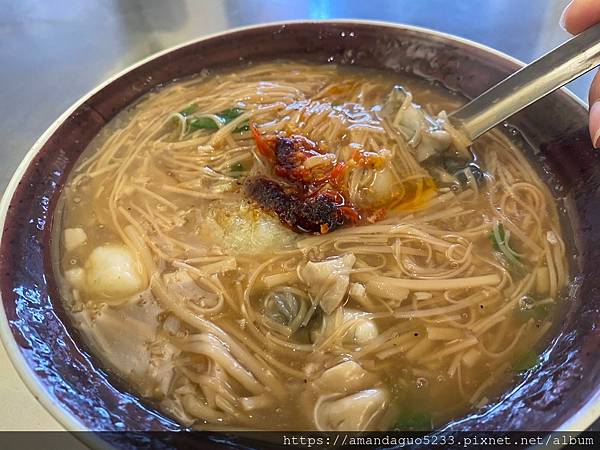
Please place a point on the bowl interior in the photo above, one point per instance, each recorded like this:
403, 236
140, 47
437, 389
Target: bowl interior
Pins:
553, 132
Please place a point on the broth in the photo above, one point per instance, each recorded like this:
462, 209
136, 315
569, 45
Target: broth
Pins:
292, 246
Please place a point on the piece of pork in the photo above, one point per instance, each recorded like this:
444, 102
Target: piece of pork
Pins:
328, 280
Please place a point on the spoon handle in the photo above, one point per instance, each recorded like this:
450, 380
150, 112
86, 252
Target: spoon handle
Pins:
566, 62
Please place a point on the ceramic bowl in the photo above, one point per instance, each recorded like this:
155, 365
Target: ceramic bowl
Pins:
47, 351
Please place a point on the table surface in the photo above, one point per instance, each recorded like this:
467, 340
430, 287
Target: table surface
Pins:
53, 52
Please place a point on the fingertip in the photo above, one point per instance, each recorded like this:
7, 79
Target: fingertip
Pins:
595, 123
594, 93
563, 17
579, 15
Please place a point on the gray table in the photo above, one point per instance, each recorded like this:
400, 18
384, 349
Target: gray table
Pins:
54, 51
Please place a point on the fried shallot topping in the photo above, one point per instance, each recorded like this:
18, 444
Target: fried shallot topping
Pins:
320, 213
304, 192
309, 188
295, 158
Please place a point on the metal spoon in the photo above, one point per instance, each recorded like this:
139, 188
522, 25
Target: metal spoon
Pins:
543, 76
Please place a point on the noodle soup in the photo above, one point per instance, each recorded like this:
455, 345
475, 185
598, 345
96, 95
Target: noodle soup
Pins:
291, 246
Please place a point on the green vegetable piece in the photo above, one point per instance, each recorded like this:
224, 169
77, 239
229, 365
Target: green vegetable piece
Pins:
501, 234
499, 239
528, 360
208, 123
235, 168
202, 123
243, 127
414, 421
229, 114
189, 110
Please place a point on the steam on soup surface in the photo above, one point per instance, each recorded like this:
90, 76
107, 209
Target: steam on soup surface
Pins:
292, 246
